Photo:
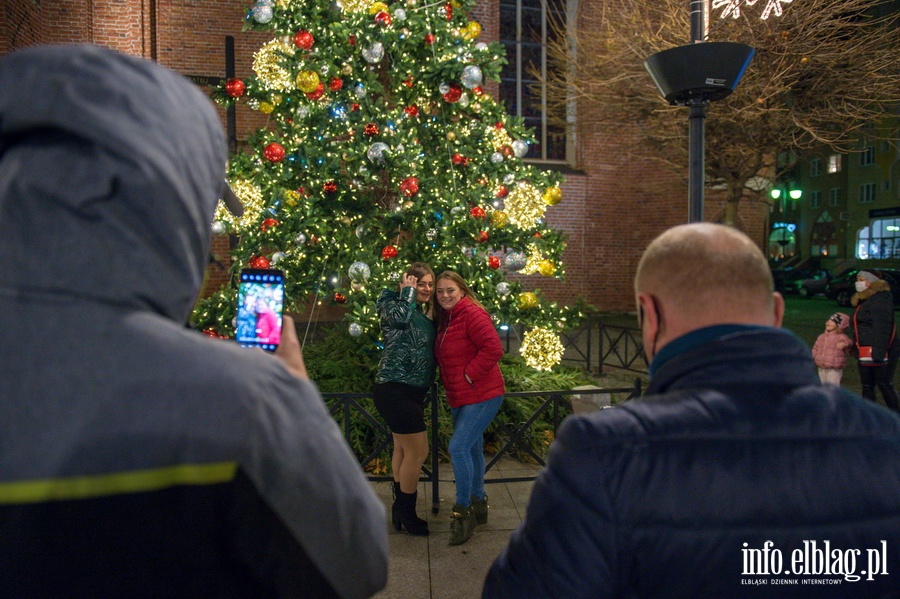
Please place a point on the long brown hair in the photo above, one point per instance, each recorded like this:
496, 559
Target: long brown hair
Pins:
419, 270
463, 286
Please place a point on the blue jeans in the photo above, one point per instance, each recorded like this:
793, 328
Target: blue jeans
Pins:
467, 447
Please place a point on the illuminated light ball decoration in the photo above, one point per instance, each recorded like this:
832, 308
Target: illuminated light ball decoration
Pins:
266, 65
541, 349
525, 205
533, 261
252, 200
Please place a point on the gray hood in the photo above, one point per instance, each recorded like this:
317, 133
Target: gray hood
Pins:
104, 179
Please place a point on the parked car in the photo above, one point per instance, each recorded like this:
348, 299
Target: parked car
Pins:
813, 285
842, 287
787, 280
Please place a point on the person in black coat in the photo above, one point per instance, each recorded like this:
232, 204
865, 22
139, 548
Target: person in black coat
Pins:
876, 337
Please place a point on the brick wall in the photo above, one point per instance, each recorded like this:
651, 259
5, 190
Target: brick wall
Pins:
612, 206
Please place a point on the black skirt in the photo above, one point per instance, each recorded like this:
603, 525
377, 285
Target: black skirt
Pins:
402, 406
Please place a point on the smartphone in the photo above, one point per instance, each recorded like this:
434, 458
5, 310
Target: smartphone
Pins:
260, 307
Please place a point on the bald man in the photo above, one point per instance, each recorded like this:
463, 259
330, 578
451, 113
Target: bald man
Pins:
736, 470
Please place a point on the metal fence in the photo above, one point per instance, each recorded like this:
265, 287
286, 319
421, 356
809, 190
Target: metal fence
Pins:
515, 435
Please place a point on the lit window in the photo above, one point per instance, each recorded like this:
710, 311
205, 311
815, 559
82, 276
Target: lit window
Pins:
525, 30
834, 163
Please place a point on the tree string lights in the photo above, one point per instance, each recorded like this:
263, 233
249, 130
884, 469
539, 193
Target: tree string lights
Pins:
382, 148
732, 8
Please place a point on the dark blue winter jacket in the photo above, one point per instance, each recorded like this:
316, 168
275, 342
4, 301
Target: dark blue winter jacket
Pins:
737, 470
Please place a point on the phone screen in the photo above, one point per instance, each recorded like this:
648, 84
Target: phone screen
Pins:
260, 305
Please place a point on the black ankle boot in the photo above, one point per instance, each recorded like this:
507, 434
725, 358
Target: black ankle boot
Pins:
395, 518
404, 515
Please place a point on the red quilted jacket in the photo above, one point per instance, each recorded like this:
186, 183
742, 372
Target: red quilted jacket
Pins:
468, 344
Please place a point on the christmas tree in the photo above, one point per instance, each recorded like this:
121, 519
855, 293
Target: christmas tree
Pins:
383, 148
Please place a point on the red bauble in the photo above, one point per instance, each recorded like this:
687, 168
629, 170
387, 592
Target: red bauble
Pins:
329, 187
340, 298
498, 125
507, 151
304, 39
268, 224
352, 40
453, 94
429, 38
458, 158
317, 93
448, 11
482, 237
235, 88
389, 252
274, 152
336, 84
537, 234
478, 90
477, 212
502, 191
408, 82
354, 107
370, 129
383, 18
466, 160
259, 262
409, 186
412, 111
494, 262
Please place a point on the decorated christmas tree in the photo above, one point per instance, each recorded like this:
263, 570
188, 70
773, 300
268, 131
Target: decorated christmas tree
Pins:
383, 148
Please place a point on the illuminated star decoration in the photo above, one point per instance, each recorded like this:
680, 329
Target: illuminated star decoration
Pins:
732, 8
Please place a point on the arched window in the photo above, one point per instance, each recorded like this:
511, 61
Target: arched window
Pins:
782, 243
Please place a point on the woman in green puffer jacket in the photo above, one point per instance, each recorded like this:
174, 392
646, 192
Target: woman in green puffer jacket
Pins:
405, 373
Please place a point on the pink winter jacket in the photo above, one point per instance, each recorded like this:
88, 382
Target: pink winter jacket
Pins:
467, 344
827, 354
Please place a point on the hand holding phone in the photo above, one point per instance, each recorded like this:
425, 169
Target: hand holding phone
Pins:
260, 308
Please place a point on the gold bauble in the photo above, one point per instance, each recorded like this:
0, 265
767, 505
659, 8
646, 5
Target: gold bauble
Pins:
547, 268
553, 195
347, 69
476, 107
499, 219
377, 7
472, 30
527, 300
451, 135
307, 81
266, 107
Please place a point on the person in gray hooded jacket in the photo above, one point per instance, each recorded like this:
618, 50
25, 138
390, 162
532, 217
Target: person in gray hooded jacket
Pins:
139, 457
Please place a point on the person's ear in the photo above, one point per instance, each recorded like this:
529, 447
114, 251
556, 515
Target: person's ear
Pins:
778, 313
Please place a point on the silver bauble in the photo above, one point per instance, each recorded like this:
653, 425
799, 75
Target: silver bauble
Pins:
373, 53
496, 157
300, 238
262, 13
503, 288
515, 261
376, 151
278, 257
471, 76
359, 271
218, 228
520, 148
355, 330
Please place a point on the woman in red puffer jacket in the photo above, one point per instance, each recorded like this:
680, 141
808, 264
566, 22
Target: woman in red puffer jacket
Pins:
468, 352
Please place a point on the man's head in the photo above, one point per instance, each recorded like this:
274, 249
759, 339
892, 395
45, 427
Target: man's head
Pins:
699, 275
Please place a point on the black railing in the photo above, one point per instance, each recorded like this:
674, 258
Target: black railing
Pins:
515, 435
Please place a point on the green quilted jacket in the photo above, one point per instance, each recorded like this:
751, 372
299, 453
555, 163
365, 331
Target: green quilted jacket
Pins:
408, 337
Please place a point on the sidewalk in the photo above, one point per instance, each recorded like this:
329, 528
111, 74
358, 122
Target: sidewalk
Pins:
426, 567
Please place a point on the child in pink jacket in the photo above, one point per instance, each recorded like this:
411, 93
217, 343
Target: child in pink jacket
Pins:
831, 348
